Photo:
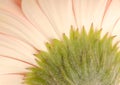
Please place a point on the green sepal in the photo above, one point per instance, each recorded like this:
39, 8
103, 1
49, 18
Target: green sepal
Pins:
80, 59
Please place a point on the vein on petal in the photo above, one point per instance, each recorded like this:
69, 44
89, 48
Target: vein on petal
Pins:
19, 60
108, 3
74, 14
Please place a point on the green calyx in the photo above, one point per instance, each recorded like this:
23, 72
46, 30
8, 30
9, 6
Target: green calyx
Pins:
81, 59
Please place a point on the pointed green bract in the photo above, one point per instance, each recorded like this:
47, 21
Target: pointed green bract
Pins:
80, 59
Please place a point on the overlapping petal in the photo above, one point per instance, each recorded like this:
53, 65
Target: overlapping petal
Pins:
34, 14
15, 57
17, 27
54, 15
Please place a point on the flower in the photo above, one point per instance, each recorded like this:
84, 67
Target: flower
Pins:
26, 25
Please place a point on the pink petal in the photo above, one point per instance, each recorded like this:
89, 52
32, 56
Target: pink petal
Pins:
11, 80
90, 11
17, 27
11, 6
55, 16
15, 48
37, 18
112, 16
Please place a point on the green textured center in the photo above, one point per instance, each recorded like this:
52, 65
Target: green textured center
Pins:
80, 59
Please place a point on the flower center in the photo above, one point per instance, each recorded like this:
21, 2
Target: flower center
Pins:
81, 59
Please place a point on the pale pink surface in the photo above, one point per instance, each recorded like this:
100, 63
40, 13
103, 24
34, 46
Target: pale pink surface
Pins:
25, 26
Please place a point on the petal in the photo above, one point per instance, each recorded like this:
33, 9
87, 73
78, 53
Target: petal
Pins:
16, 50
12, 6
84, 11
56, 14
37, 18
112, 16
10, 66
116, 32
92, 11
11, 80
19, 28
12, 47
15, 57
60, 13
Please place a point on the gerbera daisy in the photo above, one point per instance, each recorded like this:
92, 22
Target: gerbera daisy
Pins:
59, 42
